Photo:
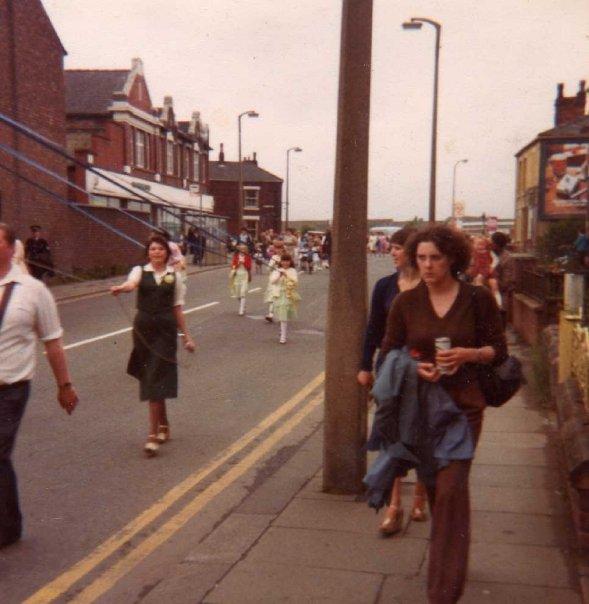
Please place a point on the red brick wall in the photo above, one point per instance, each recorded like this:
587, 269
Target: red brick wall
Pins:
225, 194
32, 92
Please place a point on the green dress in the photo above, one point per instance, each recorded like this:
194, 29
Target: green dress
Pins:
153, 359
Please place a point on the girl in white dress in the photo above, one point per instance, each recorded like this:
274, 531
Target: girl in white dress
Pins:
285, 281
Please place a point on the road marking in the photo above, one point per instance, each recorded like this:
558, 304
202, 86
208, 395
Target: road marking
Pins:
126, 564
63, 582
252, 291
127, 329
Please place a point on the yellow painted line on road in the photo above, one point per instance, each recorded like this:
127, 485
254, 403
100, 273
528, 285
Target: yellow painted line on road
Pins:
63, 582
126, 564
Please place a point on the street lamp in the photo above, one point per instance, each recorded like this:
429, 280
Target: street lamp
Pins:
286, 205
416, 23
240, 192
460, 161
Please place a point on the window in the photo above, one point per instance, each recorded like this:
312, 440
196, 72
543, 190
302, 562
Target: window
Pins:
102, 201
140, 148
196, 166
169, 157
138, 206
186, 162
251, 197
171, 221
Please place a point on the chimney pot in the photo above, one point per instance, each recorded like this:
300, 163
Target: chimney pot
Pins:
221, 153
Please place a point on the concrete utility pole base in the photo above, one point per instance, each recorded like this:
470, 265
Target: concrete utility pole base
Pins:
345, 400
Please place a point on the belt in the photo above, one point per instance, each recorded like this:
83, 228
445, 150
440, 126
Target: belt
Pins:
15, 385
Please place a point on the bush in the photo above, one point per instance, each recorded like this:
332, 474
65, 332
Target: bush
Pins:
559, 238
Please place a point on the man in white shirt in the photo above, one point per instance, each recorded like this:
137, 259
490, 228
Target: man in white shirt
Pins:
27, 313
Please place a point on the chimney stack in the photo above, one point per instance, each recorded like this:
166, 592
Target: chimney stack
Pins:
255, 159
569, 108
221, 154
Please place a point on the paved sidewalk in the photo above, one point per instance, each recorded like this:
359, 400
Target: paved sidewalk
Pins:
288, 541
71, 291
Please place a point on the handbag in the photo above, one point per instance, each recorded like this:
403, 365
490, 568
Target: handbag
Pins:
499, 383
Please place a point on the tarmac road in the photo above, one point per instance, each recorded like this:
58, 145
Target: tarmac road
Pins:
83, 478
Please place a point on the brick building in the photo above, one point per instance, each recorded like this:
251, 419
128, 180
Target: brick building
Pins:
262, 194
112, 124
552, 170
32, 92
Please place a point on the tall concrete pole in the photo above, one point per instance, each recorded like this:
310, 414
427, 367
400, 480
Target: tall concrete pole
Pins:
345, 400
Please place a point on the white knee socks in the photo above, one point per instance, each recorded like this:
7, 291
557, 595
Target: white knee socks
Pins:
283, 329
241, 306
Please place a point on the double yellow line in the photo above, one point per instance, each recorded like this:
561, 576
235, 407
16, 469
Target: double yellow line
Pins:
60, 585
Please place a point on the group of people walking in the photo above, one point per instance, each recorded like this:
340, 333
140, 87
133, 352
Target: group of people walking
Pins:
434, 322
433, 330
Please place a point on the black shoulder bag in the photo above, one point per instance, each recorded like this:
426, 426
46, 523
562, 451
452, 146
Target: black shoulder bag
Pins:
498, 382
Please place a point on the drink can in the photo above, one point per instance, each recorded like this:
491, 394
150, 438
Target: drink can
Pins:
443, 343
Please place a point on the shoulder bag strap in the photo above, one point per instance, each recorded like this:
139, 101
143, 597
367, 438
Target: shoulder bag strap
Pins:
5, 299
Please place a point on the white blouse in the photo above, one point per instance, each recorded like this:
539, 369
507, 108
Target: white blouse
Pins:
179, 287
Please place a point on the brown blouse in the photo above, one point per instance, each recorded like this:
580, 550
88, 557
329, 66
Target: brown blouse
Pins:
472, 321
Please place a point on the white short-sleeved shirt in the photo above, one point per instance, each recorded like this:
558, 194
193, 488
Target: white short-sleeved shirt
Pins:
179, 288
31, 314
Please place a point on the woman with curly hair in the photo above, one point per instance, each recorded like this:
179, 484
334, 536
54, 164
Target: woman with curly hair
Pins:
442, 306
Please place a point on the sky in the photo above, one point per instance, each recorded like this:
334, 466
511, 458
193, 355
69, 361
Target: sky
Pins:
500, 63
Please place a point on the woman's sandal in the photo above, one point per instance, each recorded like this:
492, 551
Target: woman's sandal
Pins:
151, 446
393, 521
163, 434
418, 513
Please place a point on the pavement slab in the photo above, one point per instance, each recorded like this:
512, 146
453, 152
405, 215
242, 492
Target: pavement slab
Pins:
524, 477
519, 500
509, 528
279, 582
412, 591
518, 565
228, 542
515, 456
339, 550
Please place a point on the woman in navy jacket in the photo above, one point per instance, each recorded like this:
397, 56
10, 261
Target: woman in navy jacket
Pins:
383, 295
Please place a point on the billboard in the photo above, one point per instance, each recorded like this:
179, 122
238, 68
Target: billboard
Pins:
565, 180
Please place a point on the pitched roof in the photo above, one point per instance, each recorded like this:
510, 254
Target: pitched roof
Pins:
229, 170
576, 128
91, 90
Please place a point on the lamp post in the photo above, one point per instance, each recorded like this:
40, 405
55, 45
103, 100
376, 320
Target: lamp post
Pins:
286, 205
416, 23
460, 161
240, 192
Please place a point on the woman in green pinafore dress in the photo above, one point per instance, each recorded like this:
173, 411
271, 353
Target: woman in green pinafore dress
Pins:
160, 297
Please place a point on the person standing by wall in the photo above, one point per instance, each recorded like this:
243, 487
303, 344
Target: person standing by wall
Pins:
38, 254
27, 312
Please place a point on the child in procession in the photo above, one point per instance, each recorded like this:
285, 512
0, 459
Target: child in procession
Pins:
276, 250
284, 281
240, 275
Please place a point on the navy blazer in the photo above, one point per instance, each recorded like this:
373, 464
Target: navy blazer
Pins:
383, 294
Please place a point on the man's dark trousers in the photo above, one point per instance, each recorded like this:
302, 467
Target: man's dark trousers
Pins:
13, 400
